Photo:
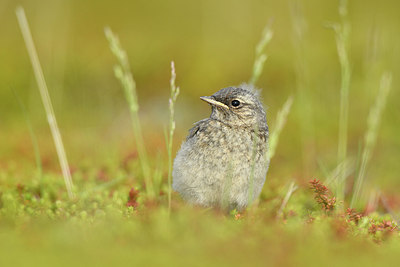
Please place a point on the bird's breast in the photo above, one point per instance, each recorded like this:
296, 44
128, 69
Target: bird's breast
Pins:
217, 140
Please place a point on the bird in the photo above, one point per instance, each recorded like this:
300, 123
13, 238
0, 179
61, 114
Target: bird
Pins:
224, 161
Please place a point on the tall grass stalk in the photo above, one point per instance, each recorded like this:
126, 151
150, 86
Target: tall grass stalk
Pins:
123, 73
44, 93
281, 118
260, 56
171, 129
342, 34
304, 98
292, 187
370, 137
337, 174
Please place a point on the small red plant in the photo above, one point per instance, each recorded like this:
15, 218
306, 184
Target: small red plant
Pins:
20, 189
387, 227
353, 215
132, 198
238, 216
322, 195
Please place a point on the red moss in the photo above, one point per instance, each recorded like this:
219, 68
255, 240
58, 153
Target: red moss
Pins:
322, 195
386, 227
310, 219
238, 216
353, 215
132, 198
20, 189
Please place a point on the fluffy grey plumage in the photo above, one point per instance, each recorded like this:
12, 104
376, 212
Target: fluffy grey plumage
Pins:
223, 161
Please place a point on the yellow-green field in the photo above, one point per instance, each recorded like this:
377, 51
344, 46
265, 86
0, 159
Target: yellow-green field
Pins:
115, 217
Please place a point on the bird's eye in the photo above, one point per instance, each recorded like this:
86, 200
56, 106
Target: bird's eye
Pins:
235, 103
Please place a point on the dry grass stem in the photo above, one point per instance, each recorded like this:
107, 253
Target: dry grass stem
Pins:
44, 93
370, 137
342, 34
281, 118
123, 73
171, 125
292, 187
260, 56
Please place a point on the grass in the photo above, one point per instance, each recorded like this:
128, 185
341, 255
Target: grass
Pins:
292, 188
260, 56
342, 35
304, 97
128, 213
44, 92
280, 121
123, 74
171, 129
371, 134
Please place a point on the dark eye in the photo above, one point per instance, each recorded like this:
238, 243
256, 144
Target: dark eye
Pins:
235, 103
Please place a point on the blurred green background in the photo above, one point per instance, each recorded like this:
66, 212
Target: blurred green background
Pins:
212, 44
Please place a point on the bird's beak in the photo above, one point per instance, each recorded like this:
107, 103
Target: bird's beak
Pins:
213, 102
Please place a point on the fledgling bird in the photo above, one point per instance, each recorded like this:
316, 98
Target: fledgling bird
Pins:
223, 162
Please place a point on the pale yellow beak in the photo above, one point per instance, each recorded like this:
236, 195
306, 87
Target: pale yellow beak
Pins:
213, 102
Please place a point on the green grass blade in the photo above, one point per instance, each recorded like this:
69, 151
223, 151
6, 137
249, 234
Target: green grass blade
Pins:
370, 137
123, 73
171, 129
292, 187
260, 56
342, 36
281, 118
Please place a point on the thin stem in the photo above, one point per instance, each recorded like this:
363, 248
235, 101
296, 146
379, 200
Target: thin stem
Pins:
292, 187
44, 93
281, 118
342, 32
304, 98
172, 101
123, 73
260, 56
374, 118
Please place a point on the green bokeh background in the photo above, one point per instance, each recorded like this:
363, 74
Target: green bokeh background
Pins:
212, 44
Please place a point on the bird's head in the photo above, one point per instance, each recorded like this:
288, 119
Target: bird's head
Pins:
238, 107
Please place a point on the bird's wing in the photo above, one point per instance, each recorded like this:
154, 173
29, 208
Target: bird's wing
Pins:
198, 126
